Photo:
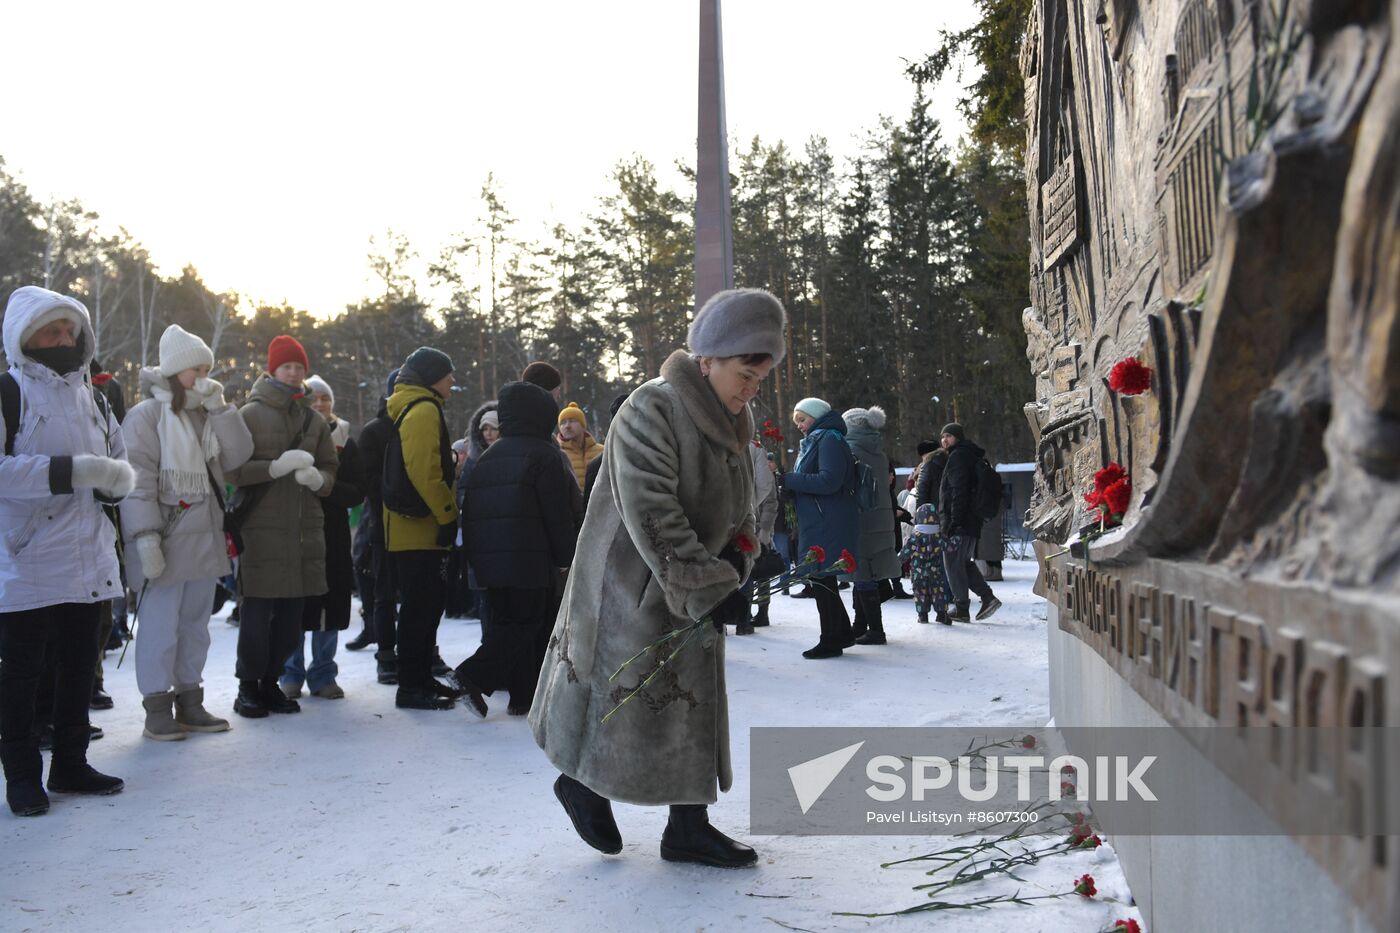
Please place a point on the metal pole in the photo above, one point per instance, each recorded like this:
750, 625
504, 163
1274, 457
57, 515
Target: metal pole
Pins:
714, 228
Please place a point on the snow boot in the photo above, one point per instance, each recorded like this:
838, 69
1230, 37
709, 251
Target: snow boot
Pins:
591, 815
81, 778
761, 618
160, 724
274, 700
191, 714
987, 608
861, 623
689, 837
869, 600
100, 699
421, 698
743, 627
923, 618
249, 702
387, 663
24, 772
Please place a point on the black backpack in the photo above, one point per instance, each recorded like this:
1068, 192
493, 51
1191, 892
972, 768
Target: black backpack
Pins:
400, 496
9, 406
986, 502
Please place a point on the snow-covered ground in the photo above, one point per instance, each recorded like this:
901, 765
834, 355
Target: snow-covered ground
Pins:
355, 815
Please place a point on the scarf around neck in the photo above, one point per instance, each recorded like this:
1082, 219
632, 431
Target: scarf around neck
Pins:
184, 457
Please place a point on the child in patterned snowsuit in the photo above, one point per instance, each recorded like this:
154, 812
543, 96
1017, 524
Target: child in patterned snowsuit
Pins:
924, 552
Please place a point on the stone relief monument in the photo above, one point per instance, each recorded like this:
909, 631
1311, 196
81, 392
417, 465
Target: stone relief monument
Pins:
1214, 192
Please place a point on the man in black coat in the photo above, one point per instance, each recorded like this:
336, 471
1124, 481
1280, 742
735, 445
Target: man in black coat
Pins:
519, 529
961, 525
374, 437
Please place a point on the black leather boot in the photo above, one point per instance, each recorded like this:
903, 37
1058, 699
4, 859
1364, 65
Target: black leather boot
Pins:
761, 619
689, 837
360, 641
591, 815
249, 702
274, 700
388, 667
861, 624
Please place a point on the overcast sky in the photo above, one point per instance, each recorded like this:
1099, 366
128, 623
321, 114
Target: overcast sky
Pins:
266, 142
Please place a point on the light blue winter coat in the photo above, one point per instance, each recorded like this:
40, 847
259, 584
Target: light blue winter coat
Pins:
54, 547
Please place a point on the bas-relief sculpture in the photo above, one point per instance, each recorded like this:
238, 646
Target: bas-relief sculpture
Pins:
1214, 188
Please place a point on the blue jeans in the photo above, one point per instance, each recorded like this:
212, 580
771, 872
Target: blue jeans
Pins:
323, 667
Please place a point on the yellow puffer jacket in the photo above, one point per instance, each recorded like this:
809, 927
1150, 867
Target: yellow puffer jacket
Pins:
580, 457
421, 435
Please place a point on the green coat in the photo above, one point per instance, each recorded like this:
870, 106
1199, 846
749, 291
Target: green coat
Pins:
284, 545
676, 487
421, 437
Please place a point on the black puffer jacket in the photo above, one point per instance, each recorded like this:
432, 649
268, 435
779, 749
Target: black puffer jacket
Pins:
519, 521
957, 493
930, 478
374, 437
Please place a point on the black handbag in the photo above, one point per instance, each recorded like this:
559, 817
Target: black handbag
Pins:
768, 564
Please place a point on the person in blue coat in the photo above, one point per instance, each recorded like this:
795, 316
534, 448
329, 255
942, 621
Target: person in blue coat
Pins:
823, 484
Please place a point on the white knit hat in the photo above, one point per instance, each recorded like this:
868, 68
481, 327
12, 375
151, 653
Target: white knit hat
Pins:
315, 385
492, 418
812, 407
181, 350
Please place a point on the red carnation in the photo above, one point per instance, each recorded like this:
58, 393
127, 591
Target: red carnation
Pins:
848, 559
101, 379
1093, 498
184, 504
1108, 476
1085, 840
1077, 817
1028, 742
816, 554
1126, 926
745, 543
768, 424
1084, 885
1129, 377
1117, 496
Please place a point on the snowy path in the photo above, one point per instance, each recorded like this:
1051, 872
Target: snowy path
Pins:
354, 815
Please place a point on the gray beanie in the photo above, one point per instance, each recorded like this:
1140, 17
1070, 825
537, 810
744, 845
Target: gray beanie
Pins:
425, 366
739, 322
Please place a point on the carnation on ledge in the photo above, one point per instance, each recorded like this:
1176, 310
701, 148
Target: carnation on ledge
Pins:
1129, 377
1084, 885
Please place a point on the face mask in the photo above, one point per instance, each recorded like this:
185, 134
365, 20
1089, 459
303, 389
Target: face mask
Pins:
62, 360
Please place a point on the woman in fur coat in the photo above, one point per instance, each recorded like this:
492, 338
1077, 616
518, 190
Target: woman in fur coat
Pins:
668, 540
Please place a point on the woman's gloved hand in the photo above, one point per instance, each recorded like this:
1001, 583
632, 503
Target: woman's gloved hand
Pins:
107, 475
290, 462
310, 477
152, 558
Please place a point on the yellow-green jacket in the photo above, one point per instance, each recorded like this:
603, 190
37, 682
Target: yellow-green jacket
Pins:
421, 434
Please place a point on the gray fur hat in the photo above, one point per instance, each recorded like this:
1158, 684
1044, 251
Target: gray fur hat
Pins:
738, 322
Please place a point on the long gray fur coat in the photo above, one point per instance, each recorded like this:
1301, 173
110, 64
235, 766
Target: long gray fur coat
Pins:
676, 487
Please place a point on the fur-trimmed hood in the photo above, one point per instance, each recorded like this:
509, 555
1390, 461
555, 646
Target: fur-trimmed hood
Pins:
476, 441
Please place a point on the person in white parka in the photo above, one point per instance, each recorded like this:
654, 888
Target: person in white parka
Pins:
180, 440
63, 460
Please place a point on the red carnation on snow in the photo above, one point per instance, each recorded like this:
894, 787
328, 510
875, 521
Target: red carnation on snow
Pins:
1129, 377
1125, 926
1084, 885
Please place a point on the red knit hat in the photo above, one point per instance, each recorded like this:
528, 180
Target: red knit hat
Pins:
284, 349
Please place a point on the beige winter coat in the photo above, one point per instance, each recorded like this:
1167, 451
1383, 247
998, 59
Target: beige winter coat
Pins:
194, 548
676, 487
284, 543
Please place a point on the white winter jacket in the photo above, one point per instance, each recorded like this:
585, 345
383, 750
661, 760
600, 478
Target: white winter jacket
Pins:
56, 544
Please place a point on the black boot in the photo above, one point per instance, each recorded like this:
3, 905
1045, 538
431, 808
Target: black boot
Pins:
24, 785
689, 837
421, 698
440, 667
360, 641
761, 619
743, 627
388, 666
875, 633
249, 701
591, 815
275, 700
100, 699
900, 592
471, 694
81, 778
861, 624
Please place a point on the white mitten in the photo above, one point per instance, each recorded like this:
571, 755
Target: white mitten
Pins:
108, 475
310, 477
290, 462
213, 392
152, 560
